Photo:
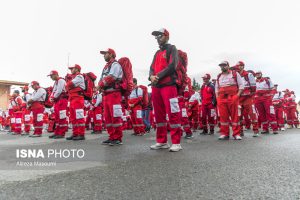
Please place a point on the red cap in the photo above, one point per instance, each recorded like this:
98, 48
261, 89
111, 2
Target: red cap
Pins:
25, 87
111, 51
258, 72
161, 31
226, 63
34, 83
76, 66
53, 72
206, 76
240, 63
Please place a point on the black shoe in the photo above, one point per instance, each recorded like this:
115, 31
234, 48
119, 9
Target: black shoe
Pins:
96, 132
134, 134
265, 132
204, 132
106, 142
79, 137
211, 132
35, 135
115, 143
52, 136
70, 138
275, 132
188, 136
58, 137
148, 129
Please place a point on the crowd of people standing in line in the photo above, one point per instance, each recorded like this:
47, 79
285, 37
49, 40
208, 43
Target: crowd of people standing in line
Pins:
237, 98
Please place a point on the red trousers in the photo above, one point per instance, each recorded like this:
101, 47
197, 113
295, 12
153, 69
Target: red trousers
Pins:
291, 116
200, 114
266, 114
12, 120
165, 101
18, 122
77, 115
279, 116
208, 117
38, 114
97, 118
249, 113
60, 111
194, 119
137, 119
113, 115
27, 120
228, 110
184, 117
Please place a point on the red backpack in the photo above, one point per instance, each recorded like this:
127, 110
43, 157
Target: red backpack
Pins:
145, 96
181, 69
48, 103
89, 80
126, 83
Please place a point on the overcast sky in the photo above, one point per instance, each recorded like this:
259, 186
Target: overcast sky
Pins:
37, 36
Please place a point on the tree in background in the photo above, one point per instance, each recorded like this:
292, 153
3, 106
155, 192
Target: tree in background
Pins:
196, 85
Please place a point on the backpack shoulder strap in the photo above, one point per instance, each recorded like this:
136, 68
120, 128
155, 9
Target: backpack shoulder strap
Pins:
169, 51
268, 82
219, 75
234, 75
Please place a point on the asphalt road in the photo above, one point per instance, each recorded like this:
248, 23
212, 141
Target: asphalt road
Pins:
267, 167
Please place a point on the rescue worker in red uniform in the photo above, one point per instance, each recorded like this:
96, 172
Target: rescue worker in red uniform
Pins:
37, 107
193, 106
97, 111
75, 88
247, 108
60, 99
229, 87
291, 109
263, 103
209, 102
278, 101
183, 103
18, 112
27, 111
111, 76
164, 92
135, 101
89, 115
11, 115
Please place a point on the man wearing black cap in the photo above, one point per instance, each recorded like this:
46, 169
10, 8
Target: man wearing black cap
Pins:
75, 88
164, 92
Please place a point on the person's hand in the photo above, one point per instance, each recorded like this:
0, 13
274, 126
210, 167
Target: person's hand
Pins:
154, 79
